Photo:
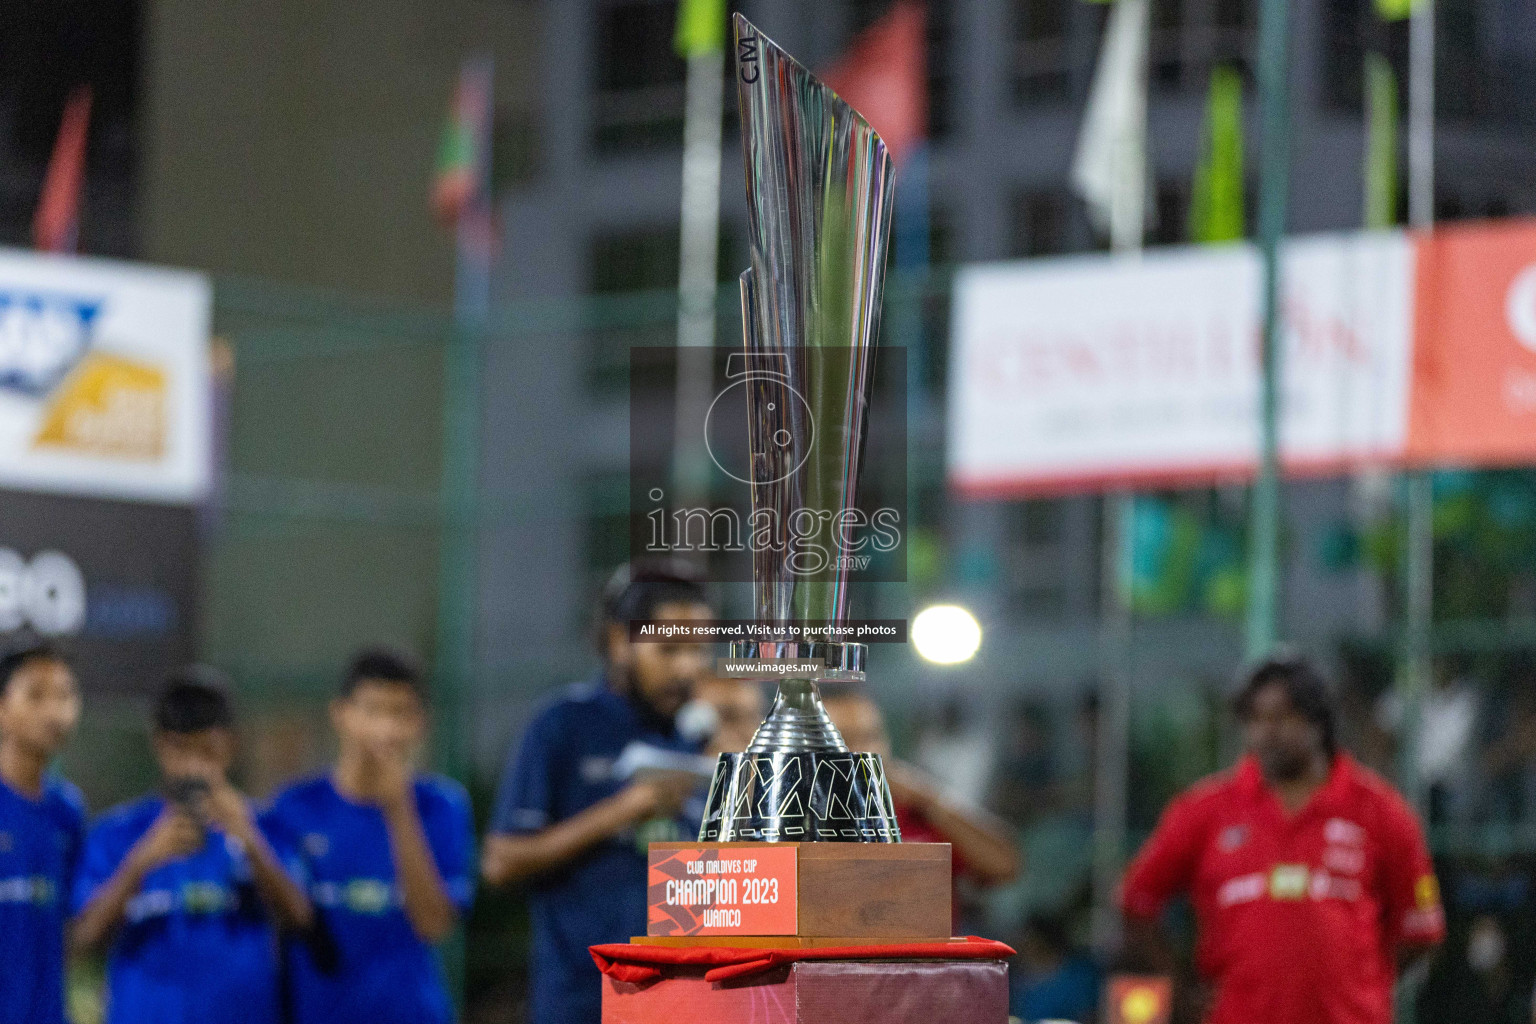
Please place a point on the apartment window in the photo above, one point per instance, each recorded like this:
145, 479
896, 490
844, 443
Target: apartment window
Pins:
634, 260
1485, 57
1040, 219
1041, 521
1038, 601
1035, 532
1191, 37
1170, 214
514, 150
629, 260
47, 50
1042, 63
1471, 203
643, 260
605, 520
641, 82
1351, 29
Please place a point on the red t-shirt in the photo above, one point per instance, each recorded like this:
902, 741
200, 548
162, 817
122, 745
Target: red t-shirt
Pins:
1300, 917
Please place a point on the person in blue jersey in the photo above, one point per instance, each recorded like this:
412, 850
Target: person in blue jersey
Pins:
601, 771
42, 828
183, 884
387, 854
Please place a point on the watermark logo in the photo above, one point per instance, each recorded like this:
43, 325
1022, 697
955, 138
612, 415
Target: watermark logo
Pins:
756, 424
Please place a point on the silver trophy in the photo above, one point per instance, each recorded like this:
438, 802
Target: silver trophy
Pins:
819, 199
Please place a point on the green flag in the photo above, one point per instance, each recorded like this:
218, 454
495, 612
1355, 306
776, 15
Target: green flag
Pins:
1394, 10
700, 27
1216, 205
1380, 142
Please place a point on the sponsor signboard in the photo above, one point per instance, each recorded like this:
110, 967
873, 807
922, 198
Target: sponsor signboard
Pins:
104, 380
113, 582
1103, 371
1474, 377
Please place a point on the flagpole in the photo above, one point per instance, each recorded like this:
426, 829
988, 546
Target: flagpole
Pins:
1274, 183
1419, 571
1124, 96
461, 439
698, 260
912, 263
1420, 555
459, 487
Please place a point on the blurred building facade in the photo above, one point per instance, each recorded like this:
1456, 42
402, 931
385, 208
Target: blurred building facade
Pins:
276, 147
288, 150
1008, 80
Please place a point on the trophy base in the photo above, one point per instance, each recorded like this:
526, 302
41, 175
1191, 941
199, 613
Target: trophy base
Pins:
797, 895
835, 797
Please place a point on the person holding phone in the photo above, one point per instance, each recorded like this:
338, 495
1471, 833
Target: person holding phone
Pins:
183, 884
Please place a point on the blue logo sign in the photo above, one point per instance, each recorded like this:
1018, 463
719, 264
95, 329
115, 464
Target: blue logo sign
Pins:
42, 337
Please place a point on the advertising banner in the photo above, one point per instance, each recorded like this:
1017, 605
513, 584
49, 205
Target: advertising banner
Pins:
1125, 371
114, 582
104, 380
1474, 375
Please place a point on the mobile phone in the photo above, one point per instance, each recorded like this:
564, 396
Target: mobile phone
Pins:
188, 792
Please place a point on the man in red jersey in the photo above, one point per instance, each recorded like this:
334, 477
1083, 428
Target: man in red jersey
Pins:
1309, 875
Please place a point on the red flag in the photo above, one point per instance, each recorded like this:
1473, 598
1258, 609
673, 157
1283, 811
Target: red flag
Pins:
55, 227
884, 77
462, 163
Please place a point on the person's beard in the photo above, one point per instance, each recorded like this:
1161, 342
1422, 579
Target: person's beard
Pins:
652, 717
1282, 764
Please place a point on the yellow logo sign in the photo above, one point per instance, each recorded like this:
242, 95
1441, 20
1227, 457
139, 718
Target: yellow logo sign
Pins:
108, 407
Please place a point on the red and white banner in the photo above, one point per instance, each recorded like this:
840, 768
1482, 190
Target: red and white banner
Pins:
1101, 371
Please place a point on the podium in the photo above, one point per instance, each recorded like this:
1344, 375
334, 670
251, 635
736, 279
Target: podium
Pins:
802, 933
820, 992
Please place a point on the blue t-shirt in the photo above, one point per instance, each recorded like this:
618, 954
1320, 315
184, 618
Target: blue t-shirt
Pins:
363, 962
40, 843
564, 765
197, 942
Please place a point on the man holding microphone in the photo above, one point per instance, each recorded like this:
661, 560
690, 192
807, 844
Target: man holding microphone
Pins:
602, 770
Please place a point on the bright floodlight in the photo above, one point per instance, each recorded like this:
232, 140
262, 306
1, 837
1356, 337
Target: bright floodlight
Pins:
946, 634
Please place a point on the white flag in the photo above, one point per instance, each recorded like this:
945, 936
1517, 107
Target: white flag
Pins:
1109, 169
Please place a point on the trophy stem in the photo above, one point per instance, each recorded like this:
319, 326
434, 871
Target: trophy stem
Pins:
797, 723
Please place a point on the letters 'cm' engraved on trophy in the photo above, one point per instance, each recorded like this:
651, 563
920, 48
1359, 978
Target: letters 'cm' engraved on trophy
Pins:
819, 198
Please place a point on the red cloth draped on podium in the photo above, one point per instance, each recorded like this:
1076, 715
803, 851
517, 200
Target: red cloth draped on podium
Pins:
638, 964
963, 981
